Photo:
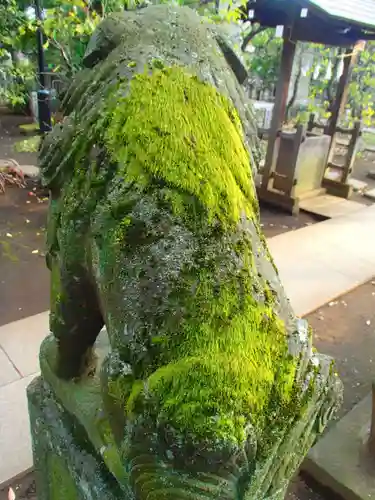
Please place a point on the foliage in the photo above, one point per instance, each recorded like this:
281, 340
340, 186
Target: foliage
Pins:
264, 62
30, 145
67, 28
12, 22
16, 75
11, 175
361, 90
18, 81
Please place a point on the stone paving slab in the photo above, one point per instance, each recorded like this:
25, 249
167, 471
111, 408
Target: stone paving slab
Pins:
329, 206
21, 340
340, 461
15, 443
8, 373
370, 194
30, 170
320, 262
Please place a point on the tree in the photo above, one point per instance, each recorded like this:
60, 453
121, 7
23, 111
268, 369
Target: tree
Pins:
264, 61
67, 27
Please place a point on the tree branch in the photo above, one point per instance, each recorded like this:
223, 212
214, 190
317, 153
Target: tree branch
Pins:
250, 36
63, 52
295, 88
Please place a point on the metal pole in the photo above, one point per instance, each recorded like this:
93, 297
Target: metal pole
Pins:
44, 111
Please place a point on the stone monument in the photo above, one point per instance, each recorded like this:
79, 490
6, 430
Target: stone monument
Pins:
203, 384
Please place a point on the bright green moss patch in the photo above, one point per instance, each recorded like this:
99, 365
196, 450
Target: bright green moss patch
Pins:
172, 127
215, 373
208, 352
61, 482
211, 373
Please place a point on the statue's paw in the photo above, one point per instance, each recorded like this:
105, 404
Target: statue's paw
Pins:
116, 382
163, 464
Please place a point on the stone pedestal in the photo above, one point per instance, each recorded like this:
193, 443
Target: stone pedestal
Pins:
76, 457
341, 460
67, 465
74, 452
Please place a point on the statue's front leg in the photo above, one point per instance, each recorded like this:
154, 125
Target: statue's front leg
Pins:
75, 320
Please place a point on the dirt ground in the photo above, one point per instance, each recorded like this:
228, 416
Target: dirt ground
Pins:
24, 279
274, 222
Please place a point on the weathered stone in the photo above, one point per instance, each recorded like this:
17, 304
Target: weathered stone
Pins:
211, 388
341, 460
371, 174
370, 194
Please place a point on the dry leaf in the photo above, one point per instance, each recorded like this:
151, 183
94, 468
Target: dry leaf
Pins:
11, 494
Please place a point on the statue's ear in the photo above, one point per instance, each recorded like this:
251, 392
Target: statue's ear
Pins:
232, 59
106, 38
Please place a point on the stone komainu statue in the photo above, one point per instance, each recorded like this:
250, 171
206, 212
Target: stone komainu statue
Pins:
211, 388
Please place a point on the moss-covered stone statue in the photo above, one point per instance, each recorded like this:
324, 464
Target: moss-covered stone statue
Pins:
210, 388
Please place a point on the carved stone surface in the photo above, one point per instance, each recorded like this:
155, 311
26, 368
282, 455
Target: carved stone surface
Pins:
210, 387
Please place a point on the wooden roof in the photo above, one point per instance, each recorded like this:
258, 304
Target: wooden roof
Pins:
361, 12
330, 22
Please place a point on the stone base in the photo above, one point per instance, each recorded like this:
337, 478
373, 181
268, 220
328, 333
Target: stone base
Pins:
340, 461
67, 465
76, 456
370, 194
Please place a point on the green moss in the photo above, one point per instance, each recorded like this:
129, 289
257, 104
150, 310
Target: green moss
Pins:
176, 141
213, 373
27, 128
61, 481
218, 371
30, 145
172, 127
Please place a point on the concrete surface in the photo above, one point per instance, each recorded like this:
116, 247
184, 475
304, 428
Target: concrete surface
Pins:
21, 339
329, 206
340, 460
316, 264
370, 194
8, 372
15, 443
357, 184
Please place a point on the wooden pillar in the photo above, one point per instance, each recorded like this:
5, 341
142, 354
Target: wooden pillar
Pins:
350, 59
279, 109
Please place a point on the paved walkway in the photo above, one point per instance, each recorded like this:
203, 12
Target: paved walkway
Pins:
316, 264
